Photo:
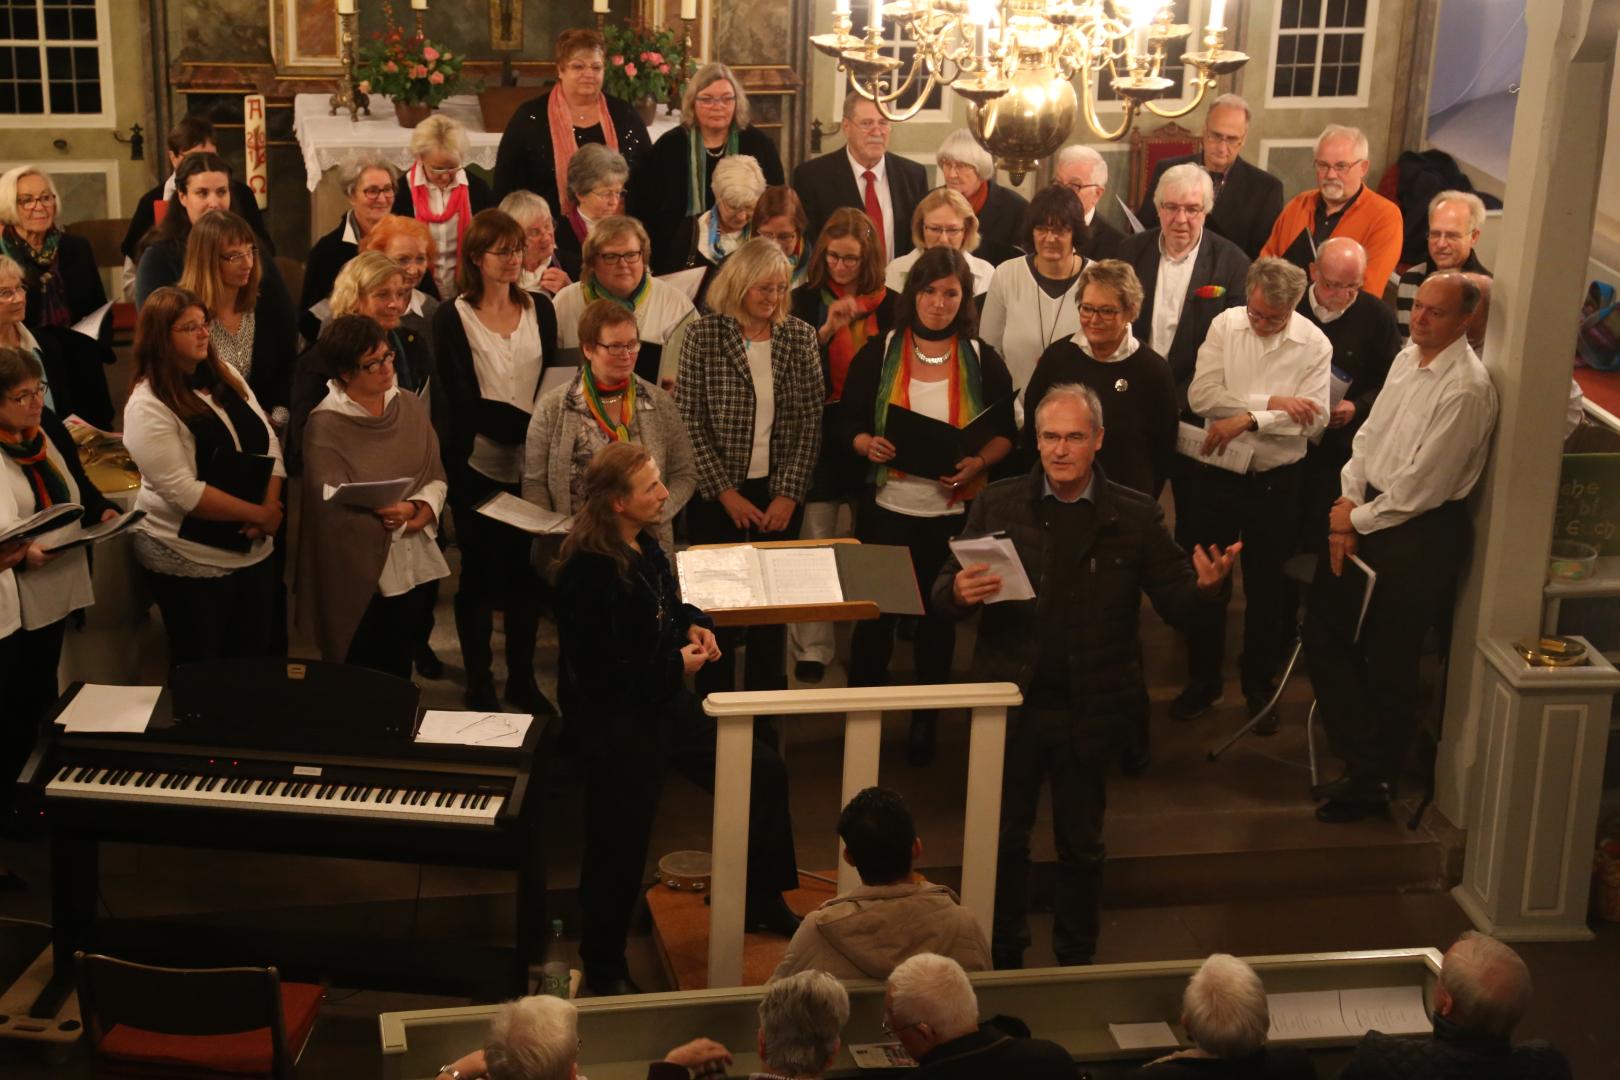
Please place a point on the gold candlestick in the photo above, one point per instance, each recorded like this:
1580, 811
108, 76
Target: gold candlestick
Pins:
419, 31
349, 96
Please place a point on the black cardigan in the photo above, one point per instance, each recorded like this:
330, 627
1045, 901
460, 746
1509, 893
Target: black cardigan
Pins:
76, 370
243, 205
524, 162
479, 196
1001, 224
328, 255
81, 280
658, 192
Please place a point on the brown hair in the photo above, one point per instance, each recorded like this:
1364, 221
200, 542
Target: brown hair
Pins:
931, 266
345, 341
488, 228
154, 353
577, 39
176, 223
847, 222
18, 366
598, 316
1116, 275
781, 201
609, 229
217, 230
188, 131
596, 525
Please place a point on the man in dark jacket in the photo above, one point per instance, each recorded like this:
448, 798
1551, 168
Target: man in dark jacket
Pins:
864, 175
1483, 993
1090, 549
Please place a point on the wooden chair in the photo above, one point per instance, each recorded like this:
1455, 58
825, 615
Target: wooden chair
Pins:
192, 1022
1148, 148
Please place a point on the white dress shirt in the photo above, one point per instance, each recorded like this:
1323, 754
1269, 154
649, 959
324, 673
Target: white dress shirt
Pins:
880, 183
1170, 295
1426, 439
446, 234
1324, 315
1239, 372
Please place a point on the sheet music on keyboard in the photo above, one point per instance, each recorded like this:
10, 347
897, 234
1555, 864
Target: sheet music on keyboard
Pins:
473, 728
100, 708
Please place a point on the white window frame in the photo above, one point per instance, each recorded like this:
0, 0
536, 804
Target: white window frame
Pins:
1369, 42
1197, 16
108, 116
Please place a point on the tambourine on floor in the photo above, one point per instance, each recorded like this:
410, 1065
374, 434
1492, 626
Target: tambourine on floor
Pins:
680, 919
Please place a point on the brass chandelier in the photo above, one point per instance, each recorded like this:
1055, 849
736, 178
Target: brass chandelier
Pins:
1016, 61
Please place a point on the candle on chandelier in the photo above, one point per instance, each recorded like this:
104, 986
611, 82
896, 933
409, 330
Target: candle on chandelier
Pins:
418, 5
840, 7
688, 9
876, 21
1217, 14
600, 6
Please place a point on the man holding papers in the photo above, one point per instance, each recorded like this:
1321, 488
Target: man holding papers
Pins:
1090, 549
1402, 512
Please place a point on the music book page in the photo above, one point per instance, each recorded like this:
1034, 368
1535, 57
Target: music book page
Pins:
1394, 1010
47, 520
881, 1056
474, 728
99, 708
722, 577
370, 494
801, 575
93, 534
1313, 1014
1154, 1036
998, 553
522, 514
1233, 457
90, 325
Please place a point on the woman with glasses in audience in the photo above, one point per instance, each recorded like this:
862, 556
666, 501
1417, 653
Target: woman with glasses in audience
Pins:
780, 218
409, 243
596, 184
968, 169
439, 192
202, 182
206, 553
943, 219
613, 266
545, 132
64, 283
751, 394
934, 363
367, 578
367, 180
491, 344
608, 403
544, 269
674, 183
706, 240
77, 380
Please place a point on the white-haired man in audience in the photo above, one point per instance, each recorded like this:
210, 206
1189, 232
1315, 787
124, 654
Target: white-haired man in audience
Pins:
1455, 221
930, 1007
1483, 993
801, 1019
532, 1038
1083, 171
1225, 1014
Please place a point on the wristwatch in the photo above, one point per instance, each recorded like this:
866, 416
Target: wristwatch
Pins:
1254, 422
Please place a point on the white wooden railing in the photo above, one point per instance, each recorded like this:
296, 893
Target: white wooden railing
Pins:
863, 709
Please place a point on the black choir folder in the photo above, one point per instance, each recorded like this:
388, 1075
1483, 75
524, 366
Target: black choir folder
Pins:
931, 448
246, 476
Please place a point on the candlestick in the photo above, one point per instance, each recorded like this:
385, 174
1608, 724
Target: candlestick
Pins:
418, 5
348, 96
1217, 14
688, 9
345, 7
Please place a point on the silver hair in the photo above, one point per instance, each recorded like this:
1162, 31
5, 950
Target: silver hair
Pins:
1347, 243
960, 146
1073, 392
1340, 131
1078, 152
11, 268
1232, 101
526, 208
934, 990
800, 1018
738, 181
439, 132
8, 191
1186, 176
1488, 982
1225, 1009
533, 1038
594, 165
707, 76
360, 162
1279, 281
1476, 206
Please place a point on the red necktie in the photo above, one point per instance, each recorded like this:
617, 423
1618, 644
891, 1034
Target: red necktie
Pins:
874, 209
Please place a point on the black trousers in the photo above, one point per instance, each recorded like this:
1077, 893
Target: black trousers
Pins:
29, 660
217, 618
496, 575
1042, 745
391, 629
622, 789
1262, 510
765, 666
872, 641
1367, 690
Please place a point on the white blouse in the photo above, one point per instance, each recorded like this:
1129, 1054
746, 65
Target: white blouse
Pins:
1020, 320
446, 234
50, 593
665, 308
921, 496
508, 371
895, 276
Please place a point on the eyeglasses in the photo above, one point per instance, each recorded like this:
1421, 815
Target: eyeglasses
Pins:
1324, 285
769, 290
1174, 210
1224, 140
709, 102
543, 228
1052, 230
1448, 237
1051, 439
1079, 188
1091, 311
191, 328
237, 258
944, 232
610, 194
581, 67
8, 295
843, 260
371, 367
29, 396
947, 165
1260, 318
620, 349
869, 125
779, 237
377, 194
28, 202
396, 296
505, 253
614, 258
1340, 167
441, 170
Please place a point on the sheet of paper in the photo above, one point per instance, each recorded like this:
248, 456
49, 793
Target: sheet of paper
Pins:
1233, 457
881, 1056
1154, 1036
100, 708
90, 325
474, 728
522, 514
1394, 1010
369, 495
998, 553
722, 577
1366, 597
1313, 1014
685, 282
801, 575
1130, 218
46, 521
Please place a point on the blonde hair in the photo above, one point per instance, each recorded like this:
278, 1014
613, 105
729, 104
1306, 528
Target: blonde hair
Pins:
606, 231
213, 233
362, 274
439, 132
1117, 275
743, 269
8, 191
944, 196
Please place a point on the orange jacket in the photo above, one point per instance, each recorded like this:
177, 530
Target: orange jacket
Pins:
1371, 220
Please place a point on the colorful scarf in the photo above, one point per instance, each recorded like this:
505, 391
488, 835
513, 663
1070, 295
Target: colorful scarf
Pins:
697, 169
459, 205
563, 143
613, 429
31, 452
594, 292
894, 388
851, 337
979, 198
801, 264
713, 252
40, 267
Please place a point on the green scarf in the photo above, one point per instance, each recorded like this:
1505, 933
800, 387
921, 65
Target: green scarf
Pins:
697, 169
592, 292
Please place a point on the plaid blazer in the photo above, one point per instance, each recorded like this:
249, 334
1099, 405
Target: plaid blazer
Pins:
716, 395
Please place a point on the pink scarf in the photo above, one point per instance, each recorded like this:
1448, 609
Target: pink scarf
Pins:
459, 206
563, 143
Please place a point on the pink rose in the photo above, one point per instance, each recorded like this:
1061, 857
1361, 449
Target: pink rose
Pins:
390, 67
630, 70
657, 58
430, 54
419, 73
436, 78
618, 60
663, 69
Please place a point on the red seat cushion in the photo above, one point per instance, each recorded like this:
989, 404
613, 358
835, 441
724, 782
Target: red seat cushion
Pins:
245, 1053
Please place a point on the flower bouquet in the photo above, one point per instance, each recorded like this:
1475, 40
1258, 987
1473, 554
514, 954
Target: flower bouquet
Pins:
413, 72
645, 65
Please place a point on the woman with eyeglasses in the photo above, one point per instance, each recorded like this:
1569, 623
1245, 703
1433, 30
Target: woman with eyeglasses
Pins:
674, 182
545, 269
366, 578
205, 552
1133, 382
438, 191
608, 403
77, 378
613, 266
544, 134
706, 240
409, 243
934, 363
64, 283
202, 182
943, 219
780, 218
596, 189
367, 180
968, 169
492, 344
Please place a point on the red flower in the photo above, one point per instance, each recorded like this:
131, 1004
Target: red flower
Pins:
630, 70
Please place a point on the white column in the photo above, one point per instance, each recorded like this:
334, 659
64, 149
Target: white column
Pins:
981, 830
863, 743
728, 882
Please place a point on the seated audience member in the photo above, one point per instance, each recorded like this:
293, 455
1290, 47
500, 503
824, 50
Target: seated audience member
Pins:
930, 1007
707, 239
626, 643
865, 175
544, 269
613, 266
439, 192
596, 181
1340, 205
864, 933
409, 243
189, 135
365, 577
779, 217
64, 283
1225, 1014
367, 181
1083, 171
968, 169
1455, 220
202, 182
943, 219
800, 1020
75, 377
532, 1038
1483, 992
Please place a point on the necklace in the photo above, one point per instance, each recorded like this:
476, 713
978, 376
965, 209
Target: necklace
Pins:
931, 361
1057, 307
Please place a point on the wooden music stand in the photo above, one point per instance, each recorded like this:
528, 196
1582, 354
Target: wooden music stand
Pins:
781, 614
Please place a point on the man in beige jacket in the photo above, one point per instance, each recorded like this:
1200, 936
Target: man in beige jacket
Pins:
865, 933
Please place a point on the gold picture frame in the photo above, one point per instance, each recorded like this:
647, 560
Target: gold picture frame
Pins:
304, 37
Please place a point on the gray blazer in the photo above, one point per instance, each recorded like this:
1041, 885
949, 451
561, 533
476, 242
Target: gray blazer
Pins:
548, 451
